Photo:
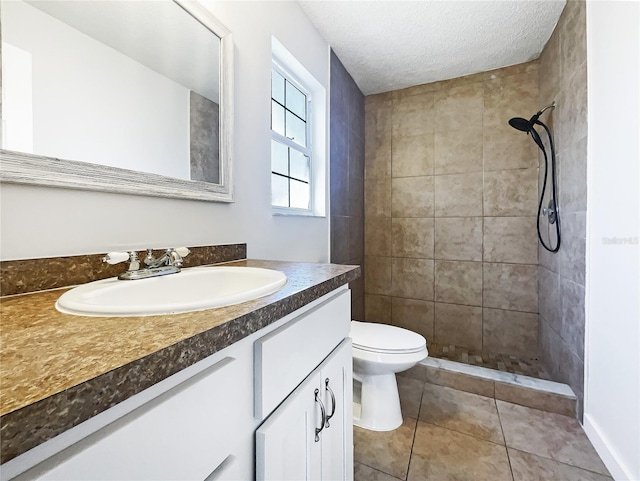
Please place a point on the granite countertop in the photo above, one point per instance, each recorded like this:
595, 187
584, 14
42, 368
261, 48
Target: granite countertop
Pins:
58, 370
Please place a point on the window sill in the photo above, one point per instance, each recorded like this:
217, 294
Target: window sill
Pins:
282, 211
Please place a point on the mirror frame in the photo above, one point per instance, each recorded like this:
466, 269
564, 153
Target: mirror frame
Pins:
23, 168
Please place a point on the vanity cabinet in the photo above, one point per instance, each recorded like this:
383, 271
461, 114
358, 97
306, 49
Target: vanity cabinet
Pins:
309, 437
248, 410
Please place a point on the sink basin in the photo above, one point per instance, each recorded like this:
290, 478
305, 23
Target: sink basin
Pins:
193, 289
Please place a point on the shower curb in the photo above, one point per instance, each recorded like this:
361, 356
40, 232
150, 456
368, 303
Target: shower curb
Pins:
526, 391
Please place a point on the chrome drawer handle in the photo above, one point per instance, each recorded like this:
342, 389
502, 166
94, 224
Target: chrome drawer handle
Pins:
333, 402
324, 415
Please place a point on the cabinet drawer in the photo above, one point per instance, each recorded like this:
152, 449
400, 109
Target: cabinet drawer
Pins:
286, 356
174, 436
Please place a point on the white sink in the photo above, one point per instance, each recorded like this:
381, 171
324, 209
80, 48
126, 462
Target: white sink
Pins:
193, 289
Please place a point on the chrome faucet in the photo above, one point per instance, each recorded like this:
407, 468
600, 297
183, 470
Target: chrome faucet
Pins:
170, 262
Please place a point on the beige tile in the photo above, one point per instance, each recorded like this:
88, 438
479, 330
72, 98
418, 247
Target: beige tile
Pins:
387, 451
377, 145
377, 308
509, 332
507, 148
458, 238
365, 473
573, 177
412, 197
412, 278
458, 325
416, 372
458, 81
412, 237
458, 151
458, 282
377, 275
457, 107
510, 239
415, 90
549, 72
413, 115
571, 117
573, 41
458, 195
510, 286
462, 412
459, 381
410, 392
528, 467
537, 399
377, 236
413, 314
510, 193
550, 435
443, 455
507, 97
518, 69
412, 155
377, 197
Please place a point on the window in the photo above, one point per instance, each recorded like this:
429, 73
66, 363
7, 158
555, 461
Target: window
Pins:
291, 169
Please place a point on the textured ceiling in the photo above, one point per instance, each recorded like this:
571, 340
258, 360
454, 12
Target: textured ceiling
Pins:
389, 45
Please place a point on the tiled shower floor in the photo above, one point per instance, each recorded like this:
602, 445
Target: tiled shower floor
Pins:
500, 362
451, 435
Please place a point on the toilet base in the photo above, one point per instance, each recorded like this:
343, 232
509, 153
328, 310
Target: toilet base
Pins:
379, 402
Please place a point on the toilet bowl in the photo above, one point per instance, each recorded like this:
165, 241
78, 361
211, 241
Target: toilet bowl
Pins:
379, 352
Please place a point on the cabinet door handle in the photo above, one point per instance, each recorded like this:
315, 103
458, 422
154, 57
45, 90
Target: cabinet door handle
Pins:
324, 415
333, 402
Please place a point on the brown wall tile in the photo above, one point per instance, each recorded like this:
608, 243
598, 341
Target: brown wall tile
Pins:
510, 193
458, 282
377, 141
509, 332
412, 278
412, 197
377, 275
458, 107
412, 237
458, 325
413, 115
510, 286
510, 239
458, 195
458, 151
377, 308
458, 238
413, 155
377, 197
413, 314
377, 233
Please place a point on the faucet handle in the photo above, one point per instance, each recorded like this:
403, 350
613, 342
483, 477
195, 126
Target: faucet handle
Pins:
183, 251
115, 257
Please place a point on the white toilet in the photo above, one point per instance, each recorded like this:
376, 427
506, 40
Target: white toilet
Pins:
380, 351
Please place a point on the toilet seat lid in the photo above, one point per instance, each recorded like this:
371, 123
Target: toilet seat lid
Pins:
384, 338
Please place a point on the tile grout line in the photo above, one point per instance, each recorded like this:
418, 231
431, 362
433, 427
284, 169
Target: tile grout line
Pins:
560, 462
506, 448
415, 431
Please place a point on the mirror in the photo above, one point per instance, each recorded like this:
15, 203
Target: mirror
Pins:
118, 96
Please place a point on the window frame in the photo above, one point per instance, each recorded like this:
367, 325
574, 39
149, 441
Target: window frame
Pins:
283, 139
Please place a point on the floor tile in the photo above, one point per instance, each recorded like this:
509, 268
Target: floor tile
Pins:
365, 473
549, 435
529, 467
462, 412
410, 391
443, 455
387, 451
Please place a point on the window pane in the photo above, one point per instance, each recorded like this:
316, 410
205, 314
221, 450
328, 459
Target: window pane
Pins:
279, 191
296, 129
299, 165
279, 158
277, 87
296, 101
277, 118
299, 194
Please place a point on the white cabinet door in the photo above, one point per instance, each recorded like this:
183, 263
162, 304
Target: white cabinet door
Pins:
337, 437
287, 448
288, 444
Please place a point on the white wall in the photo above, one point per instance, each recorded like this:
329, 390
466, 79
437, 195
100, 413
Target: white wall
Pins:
95, 104
44, 222
612, 367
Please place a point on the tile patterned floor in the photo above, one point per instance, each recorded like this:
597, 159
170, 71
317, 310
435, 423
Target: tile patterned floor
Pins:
451, 435
525, 366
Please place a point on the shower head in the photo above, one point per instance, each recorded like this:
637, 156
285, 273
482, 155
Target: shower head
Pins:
521, 124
